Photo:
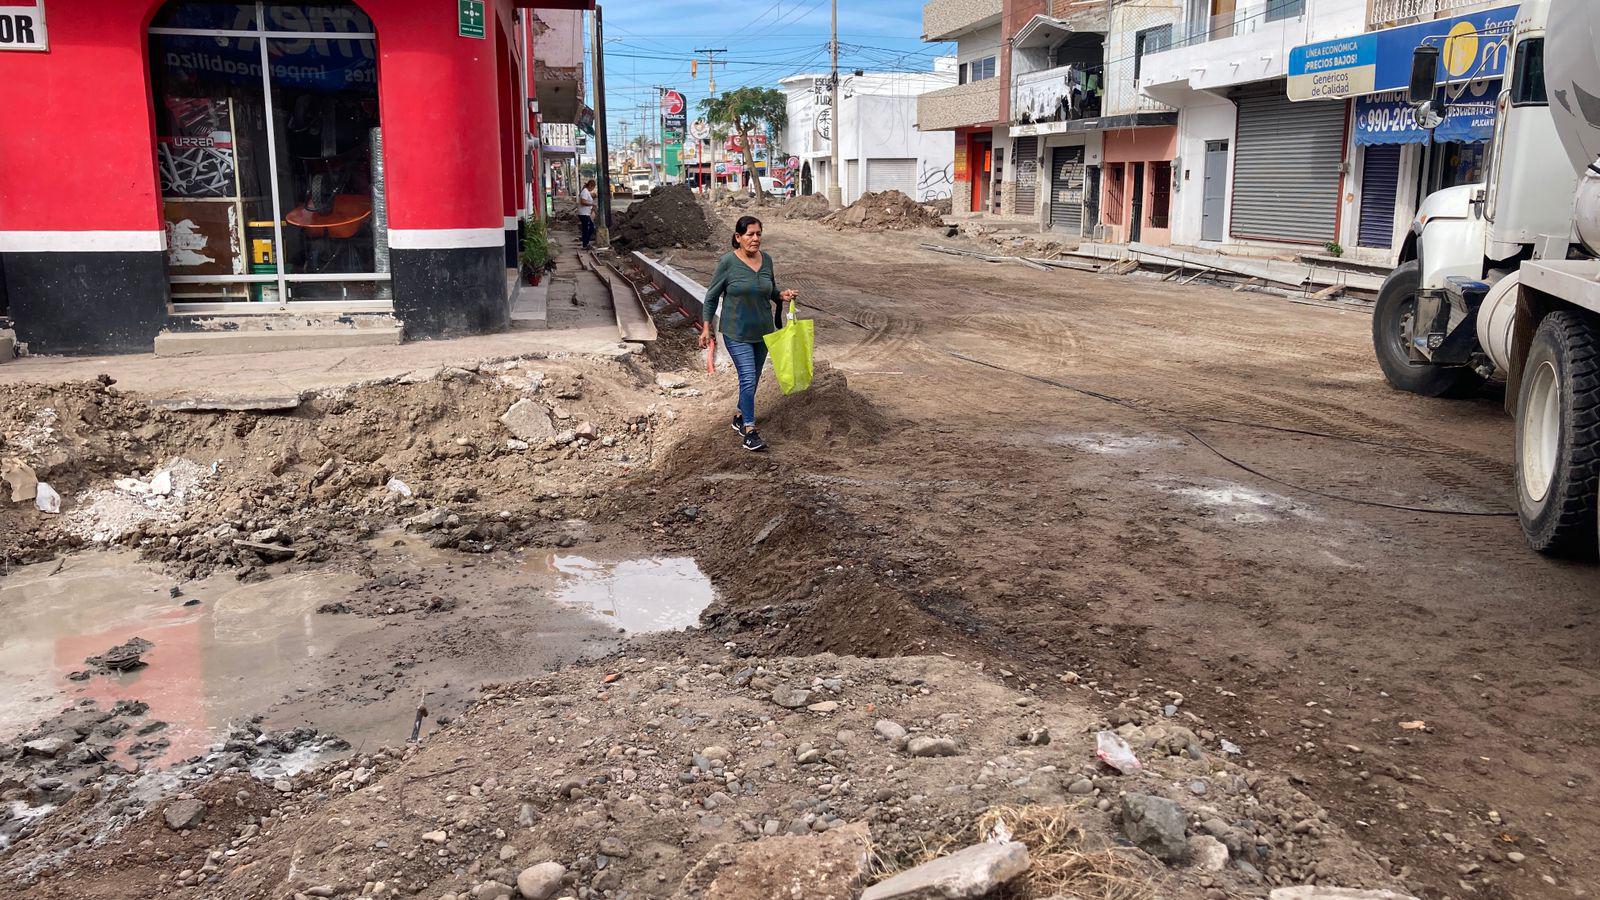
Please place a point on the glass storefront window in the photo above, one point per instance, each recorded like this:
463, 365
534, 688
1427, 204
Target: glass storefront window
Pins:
271, 172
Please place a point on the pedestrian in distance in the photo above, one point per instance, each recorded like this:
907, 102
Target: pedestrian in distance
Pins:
586, 213
746, 289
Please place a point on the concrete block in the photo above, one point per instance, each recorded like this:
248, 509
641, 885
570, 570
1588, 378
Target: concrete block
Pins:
219, 343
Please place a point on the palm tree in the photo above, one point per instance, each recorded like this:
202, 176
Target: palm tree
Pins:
746, 110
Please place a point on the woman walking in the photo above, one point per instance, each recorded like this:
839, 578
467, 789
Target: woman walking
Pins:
753, 309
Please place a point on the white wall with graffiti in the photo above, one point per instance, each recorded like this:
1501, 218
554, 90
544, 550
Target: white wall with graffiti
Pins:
879, 144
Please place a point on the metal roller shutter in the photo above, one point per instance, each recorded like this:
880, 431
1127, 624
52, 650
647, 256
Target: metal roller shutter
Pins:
892, 174
852, 176
1026, 165
1380, 183
1066, 189
1286, 166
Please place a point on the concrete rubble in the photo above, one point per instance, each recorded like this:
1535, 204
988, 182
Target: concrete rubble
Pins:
972, 872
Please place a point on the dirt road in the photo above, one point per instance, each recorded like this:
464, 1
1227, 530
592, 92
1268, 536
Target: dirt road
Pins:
1164, 509
1184, 488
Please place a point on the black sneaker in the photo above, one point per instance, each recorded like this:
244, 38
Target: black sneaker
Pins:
738, 424
753, 441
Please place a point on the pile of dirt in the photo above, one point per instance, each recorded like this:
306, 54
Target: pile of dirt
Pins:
823, 415
884, 211
642, 776
809, 206
670, 216
345, 464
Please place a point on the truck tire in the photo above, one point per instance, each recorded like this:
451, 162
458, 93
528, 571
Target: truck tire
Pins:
1558, 436
1397, 303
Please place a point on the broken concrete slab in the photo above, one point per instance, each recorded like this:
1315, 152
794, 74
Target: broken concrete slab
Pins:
827, 866
528, 421
272, 403
972, 872
20, 479
49, 747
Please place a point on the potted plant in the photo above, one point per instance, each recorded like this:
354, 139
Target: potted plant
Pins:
537, 255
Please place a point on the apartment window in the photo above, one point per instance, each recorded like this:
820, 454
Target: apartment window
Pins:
1285, 9
1149, 40
979, 69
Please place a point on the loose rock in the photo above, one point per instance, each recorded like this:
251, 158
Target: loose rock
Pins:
972, 872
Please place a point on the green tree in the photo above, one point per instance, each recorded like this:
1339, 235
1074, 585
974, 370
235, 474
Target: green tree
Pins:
749, 111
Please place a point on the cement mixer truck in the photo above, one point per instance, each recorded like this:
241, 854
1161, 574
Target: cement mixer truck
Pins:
1502, 279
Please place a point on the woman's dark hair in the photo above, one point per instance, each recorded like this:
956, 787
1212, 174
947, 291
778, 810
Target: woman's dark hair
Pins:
743, 225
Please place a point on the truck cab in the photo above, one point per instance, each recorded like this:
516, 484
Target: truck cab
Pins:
1501, 279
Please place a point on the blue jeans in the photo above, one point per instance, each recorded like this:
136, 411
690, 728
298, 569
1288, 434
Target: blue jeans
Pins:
586, 229
748, 358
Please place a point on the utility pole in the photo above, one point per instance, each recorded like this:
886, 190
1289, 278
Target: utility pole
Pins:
602, 156
835, 196
711, 72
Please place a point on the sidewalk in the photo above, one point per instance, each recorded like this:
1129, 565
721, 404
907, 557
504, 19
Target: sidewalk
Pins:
580, 322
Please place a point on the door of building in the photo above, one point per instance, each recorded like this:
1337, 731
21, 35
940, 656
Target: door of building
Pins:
1066, 189
981, 160
269, 148
1214, 193
852, 178
1380, 183
892, 175
1025, 156
1136, 216
1286, 166
1091, 200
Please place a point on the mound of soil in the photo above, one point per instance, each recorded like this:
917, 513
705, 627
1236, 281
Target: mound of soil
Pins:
884, 211
810, 206
669, 217
822, 415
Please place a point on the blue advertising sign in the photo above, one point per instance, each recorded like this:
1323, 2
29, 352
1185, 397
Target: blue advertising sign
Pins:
1389, 119
1473, 47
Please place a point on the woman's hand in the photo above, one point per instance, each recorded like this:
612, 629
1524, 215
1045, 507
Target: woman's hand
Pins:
707, 339
788, 295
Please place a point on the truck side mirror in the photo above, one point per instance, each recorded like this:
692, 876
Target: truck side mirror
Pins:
1424, 71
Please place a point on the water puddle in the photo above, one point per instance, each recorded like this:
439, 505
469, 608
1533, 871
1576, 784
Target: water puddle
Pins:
1110, 443
352, 655
210, 664
1243, 505
637, 595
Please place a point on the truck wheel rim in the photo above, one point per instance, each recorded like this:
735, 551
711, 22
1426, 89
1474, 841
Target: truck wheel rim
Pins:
1408, 311
1541, 433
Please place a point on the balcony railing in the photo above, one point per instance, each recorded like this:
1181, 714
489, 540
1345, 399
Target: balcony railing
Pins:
1246, 19
1388, 12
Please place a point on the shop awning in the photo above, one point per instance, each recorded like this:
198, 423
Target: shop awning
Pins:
1388, 119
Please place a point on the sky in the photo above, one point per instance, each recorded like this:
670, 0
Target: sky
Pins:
650, 43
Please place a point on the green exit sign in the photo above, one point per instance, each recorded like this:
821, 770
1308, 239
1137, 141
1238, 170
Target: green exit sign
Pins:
469, 18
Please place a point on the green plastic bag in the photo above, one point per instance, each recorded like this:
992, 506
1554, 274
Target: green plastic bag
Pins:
790, 350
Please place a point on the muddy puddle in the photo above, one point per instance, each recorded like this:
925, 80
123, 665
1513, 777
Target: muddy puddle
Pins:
350, 654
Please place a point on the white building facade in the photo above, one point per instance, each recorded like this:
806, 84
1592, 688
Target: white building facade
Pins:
1265, 161
880, 146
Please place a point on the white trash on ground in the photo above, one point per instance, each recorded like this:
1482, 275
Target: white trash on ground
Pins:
1115, 752
47, 500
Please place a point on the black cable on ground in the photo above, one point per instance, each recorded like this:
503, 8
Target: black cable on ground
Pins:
1172, 420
